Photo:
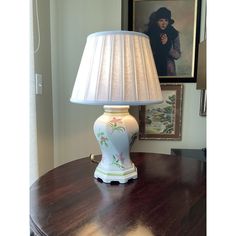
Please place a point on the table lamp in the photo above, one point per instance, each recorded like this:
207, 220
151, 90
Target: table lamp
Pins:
117, 70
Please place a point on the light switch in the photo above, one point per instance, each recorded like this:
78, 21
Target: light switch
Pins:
38, 84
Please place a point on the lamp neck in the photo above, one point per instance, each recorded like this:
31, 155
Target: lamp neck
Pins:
116, 109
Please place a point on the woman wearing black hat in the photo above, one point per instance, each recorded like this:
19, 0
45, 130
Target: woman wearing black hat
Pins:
164, 39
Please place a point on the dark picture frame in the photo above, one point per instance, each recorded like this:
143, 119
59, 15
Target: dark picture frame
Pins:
203, 103
163, 121
185, 18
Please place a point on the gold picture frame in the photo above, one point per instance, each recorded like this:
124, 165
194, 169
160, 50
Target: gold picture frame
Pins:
163, 121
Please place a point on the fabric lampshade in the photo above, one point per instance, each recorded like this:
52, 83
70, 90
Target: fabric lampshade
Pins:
117, 68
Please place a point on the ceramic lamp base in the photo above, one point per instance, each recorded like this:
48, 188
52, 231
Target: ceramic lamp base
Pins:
116, 131
116, 176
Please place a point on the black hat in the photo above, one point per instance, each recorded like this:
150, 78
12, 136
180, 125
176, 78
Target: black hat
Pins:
164, 13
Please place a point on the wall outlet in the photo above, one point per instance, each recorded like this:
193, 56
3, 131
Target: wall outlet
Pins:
38, 84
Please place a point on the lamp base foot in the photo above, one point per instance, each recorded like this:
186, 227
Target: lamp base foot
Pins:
116, 176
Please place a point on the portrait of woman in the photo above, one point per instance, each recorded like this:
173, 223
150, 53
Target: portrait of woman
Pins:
172, 27
164, 40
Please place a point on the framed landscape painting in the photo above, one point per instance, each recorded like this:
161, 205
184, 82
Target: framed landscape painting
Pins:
173, 28
163, 121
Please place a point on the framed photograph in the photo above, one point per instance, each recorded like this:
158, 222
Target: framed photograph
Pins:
173, 27
163, 121
203, 103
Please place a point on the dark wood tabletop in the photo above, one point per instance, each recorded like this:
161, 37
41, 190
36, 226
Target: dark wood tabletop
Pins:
167, 199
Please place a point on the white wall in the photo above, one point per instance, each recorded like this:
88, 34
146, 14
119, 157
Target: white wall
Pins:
71, 22
42, 64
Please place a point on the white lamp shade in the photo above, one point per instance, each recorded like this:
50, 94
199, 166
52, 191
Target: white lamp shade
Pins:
117, 68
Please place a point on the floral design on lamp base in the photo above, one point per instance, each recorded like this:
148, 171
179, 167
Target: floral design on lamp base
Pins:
115, 131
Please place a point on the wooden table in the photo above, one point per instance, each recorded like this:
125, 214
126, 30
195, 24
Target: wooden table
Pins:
199, 154
168, 198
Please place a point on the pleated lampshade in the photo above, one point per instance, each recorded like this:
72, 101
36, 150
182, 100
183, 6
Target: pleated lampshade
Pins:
117, 68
